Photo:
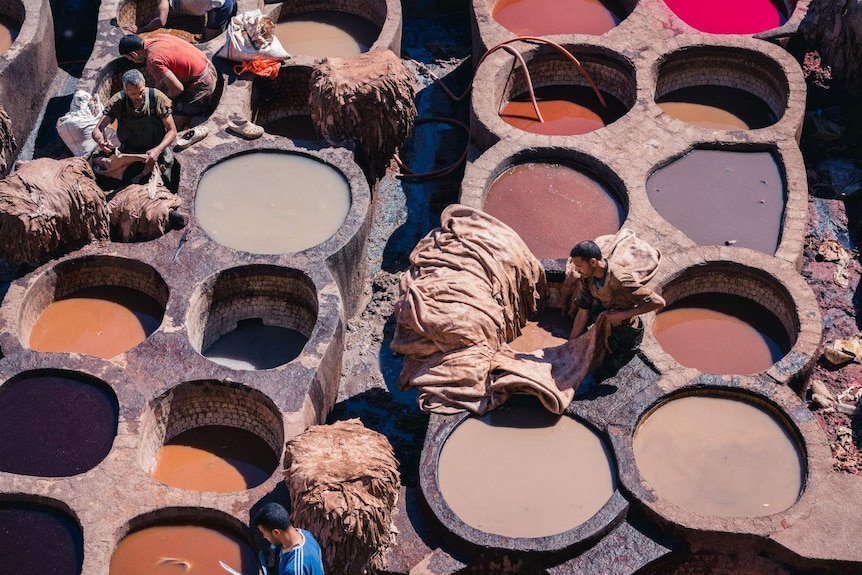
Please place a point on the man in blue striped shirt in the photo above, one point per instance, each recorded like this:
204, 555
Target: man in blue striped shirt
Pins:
292, 551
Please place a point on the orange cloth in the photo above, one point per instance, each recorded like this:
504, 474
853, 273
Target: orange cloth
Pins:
266, 67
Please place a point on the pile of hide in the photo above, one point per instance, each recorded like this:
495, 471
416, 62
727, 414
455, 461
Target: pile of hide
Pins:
367, 99
139, 212
470, 288
833, 28
343, 482
48, 205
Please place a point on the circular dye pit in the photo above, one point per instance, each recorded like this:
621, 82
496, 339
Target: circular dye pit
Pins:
566, 111
254, 345
548, 328
38, 539
102, 321
553, 206
54, 425
548, 17
722, 198
187, 549
717, 108
730, 16
261, 202
490, 467
720, 457
721, 333
9, 28
326, 33
215, 458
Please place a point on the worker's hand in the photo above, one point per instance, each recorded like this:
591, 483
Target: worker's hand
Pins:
105, 146
152, 158
130, 28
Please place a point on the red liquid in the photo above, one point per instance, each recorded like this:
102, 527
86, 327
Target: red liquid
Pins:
37, 540
547, 17
215, 458
553, 207
720, 333
729, 16
566, 111
717, 198
54, 426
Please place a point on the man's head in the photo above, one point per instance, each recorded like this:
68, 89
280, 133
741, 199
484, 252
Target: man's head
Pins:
272, 520
132, 47
133, 86
586, 257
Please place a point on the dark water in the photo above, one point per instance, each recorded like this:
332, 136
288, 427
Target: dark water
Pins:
38, 540
55, 426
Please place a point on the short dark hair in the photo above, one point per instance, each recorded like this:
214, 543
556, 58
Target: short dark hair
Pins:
586, 250
272, 516
130, 43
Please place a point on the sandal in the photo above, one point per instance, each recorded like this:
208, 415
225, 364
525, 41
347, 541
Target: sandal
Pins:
190, 137
244, 128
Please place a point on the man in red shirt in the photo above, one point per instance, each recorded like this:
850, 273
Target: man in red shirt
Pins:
178, 69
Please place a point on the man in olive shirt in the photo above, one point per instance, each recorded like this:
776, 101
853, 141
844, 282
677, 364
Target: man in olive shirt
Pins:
145, 125
609, 289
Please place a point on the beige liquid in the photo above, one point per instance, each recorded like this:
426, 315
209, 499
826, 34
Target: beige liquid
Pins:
181, 549
522, 472
326, 33
704, 116
719, 457
271, 203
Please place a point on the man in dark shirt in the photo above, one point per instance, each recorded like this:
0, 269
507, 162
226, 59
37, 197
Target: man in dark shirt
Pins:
609, 289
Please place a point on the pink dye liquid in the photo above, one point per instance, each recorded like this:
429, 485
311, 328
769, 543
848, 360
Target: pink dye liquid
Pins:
729, 16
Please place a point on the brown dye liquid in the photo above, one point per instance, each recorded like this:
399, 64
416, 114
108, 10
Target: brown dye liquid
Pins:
297, 127
553, 207
717, 197
720, 333
263, 203
101, 321
718, 108
546, 329
720, 457
176, 549
547, 17
215, 458
566, 111
524, 472
9, 29
326, 33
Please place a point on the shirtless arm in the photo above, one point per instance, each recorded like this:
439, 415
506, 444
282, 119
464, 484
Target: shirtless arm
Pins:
171, 85
99, 135
169, 137
580, 323
655, 302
